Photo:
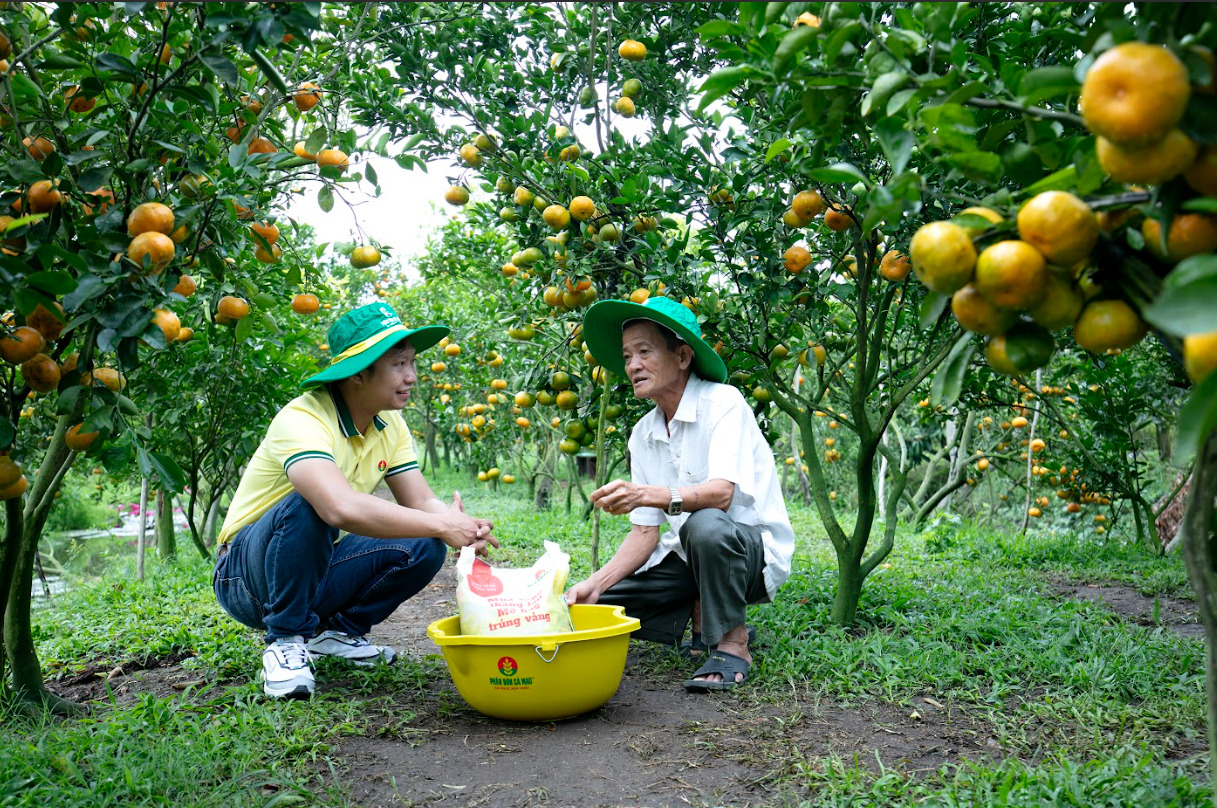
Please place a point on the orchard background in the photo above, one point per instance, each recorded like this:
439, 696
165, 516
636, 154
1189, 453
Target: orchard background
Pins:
959, 257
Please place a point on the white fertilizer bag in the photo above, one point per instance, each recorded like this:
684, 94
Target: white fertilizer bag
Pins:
513, 602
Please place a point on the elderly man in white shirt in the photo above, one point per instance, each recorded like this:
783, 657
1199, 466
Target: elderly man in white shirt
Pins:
700, 462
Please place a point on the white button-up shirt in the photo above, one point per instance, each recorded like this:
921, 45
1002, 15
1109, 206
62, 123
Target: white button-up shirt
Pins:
713, 436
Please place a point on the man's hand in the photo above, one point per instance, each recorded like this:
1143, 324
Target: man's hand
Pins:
582, 592
620, 497
462, 530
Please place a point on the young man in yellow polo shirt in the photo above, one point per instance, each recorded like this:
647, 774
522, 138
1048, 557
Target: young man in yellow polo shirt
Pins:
307, 553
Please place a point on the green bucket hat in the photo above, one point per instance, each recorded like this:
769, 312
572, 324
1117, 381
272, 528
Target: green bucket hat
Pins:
602, 333
362, 336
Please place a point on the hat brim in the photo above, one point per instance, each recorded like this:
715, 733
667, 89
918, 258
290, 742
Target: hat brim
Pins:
421, 338
602, 333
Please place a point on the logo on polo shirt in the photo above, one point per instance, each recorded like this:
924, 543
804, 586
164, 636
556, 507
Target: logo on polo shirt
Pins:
381, 466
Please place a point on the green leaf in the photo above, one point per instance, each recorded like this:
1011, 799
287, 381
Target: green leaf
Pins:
721, 82
116, 63
752, 14
54, 60
948, 381
1047, 82
931, 309
777, 147
882, 90
66, 402
268, 69
1203, 204
717, 28
325, 198
1197, 419
897, 143
1188, 302
967, 92
1064, 180
53, 282
773, 11
7, 433
245, 327
795, 40
837, 40
977, 165
898, 101
316, 140
838, 172
95, 178
173, 480
223, 68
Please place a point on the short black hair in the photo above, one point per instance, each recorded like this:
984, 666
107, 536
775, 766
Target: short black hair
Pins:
670, 337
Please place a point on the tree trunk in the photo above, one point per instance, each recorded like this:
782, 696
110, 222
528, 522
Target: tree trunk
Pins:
166, 538
849, 589
1200, 553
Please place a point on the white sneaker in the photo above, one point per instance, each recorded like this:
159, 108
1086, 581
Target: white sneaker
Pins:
285, 669
351, 648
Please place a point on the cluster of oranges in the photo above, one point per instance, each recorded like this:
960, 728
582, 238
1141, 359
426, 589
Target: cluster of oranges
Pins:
1018, 291
1133, 100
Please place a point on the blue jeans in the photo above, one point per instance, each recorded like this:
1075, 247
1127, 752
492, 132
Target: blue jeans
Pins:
285, 574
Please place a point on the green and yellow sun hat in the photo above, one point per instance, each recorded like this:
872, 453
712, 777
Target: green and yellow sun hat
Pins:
362, 336
602, 333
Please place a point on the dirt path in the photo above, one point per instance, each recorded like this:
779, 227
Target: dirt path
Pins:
1176, 614
651, 745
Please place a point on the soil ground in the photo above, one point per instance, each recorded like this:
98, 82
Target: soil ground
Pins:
651, 745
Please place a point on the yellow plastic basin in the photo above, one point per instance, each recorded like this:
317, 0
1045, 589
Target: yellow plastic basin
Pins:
542, 677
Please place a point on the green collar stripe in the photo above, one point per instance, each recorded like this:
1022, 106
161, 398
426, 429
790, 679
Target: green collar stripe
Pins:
309, 455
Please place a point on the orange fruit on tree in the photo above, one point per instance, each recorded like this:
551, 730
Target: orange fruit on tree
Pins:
303, 153
39, 148
943, 256
109, 377
261, 145
1189, 234
797, 258
582, 208
79, 441
270, 256
807, 204
838, 220
1151, 164
365, 256
556, 217
156, 247
306, 96
1134, 93
180, 234
793, 220
77, 102
185, 286
985, 213
41, 373
333, 157
43, 195
632, 50
452, 349
232, 307
150, 217
640, 295
1201, 175
978, 314
266, 230
1106, 325
48, 323
1012, 274
21, 344
10, 471
567, 400
186, 334
168, 323
1060, 304
14, 489
625, 107
1200, 355
456, 195
895, 266
1058, 224
305, 303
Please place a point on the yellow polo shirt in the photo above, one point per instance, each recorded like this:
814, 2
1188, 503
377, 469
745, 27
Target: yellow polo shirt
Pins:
318, 424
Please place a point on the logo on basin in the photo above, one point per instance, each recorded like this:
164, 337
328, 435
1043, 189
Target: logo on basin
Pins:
508, 666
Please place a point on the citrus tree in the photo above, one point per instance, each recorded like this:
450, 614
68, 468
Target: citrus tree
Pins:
149, 158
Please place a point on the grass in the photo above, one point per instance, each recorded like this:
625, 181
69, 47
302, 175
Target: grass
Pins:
1088, 708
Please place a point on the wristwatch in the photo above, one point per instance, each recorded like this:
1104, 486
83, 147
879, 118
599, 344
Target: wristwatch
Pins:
676, 505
